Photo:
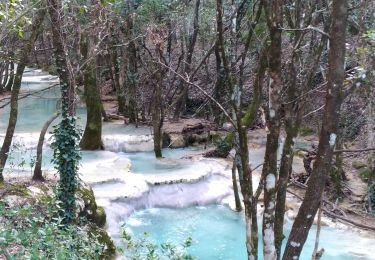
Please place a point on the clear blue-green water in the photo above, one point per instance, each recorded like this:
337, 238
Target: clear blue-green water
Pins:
21, 159
145, 162
35, 109
219, 233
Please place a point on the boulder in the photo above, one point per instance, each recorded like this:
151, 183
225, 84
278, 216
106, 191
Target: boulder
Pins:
87, 206
100, 217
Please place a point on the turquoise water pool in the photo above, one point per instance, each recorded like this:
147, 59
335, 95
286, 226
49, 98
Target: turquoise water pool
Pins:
219, 233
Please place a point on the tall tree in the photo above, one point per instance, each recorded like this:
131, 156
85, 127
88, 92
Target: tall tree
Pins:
241, 121
28, 44
274, 16
328, 134
300, 63
131, 80
190, 46
65, 145
92, 136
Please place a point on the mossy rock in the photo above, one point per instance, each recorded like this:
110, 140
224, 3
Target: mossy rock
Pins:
87, 206
359, 164
104, 239
100, 217
86, 201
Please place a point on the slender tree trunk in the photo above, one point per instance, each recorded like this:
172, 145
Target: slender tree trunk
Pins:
157, 119
315, 254
219, 89
28, 45
337, 172
328, 134
274, 14
371, 143
115, 71
240, 143
250, 203
131, 72
92, 136
10, 83
12, 118
6, 76
38, 175
182, 98
2, 69
292, 123
237, 199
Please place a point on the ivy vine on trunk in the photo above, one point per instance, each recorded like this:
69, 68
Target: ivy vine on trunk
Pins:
66, 156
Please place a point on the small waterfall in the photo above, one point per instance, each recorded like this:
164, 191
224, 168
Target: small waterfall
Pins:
201, 183
112, 142
128, 143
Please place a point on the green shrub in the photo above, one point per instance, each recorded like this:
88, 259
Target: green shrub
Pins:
144, 248
30, 232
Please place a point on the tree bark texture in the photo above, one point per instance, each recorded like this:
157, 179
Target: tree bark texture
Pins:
328, 134
38, 174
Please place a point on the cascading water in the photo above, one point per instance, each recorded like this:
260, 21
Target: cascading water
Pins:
173, 198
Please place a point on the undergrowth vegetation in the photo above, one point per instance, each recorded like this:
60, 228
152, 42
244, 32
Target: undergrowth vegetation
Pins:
142, 247
28, 232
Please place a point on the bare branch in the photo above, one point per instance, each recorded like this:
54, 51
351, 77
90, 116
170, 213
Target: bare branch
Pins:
312, 28
187, 81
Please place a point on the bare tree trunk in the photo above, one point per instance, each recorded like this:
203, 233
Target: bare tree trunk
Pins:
131, 72
115, 71
28, 45
292, 123
315, 254
371, 143
10, 83
157, 103
38, 175
157, 119
274, 14
241, 124
337, 171
219, 89
237, 199
182, 98
12, 118
92, 136
328, 134
2, 69
6, 76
